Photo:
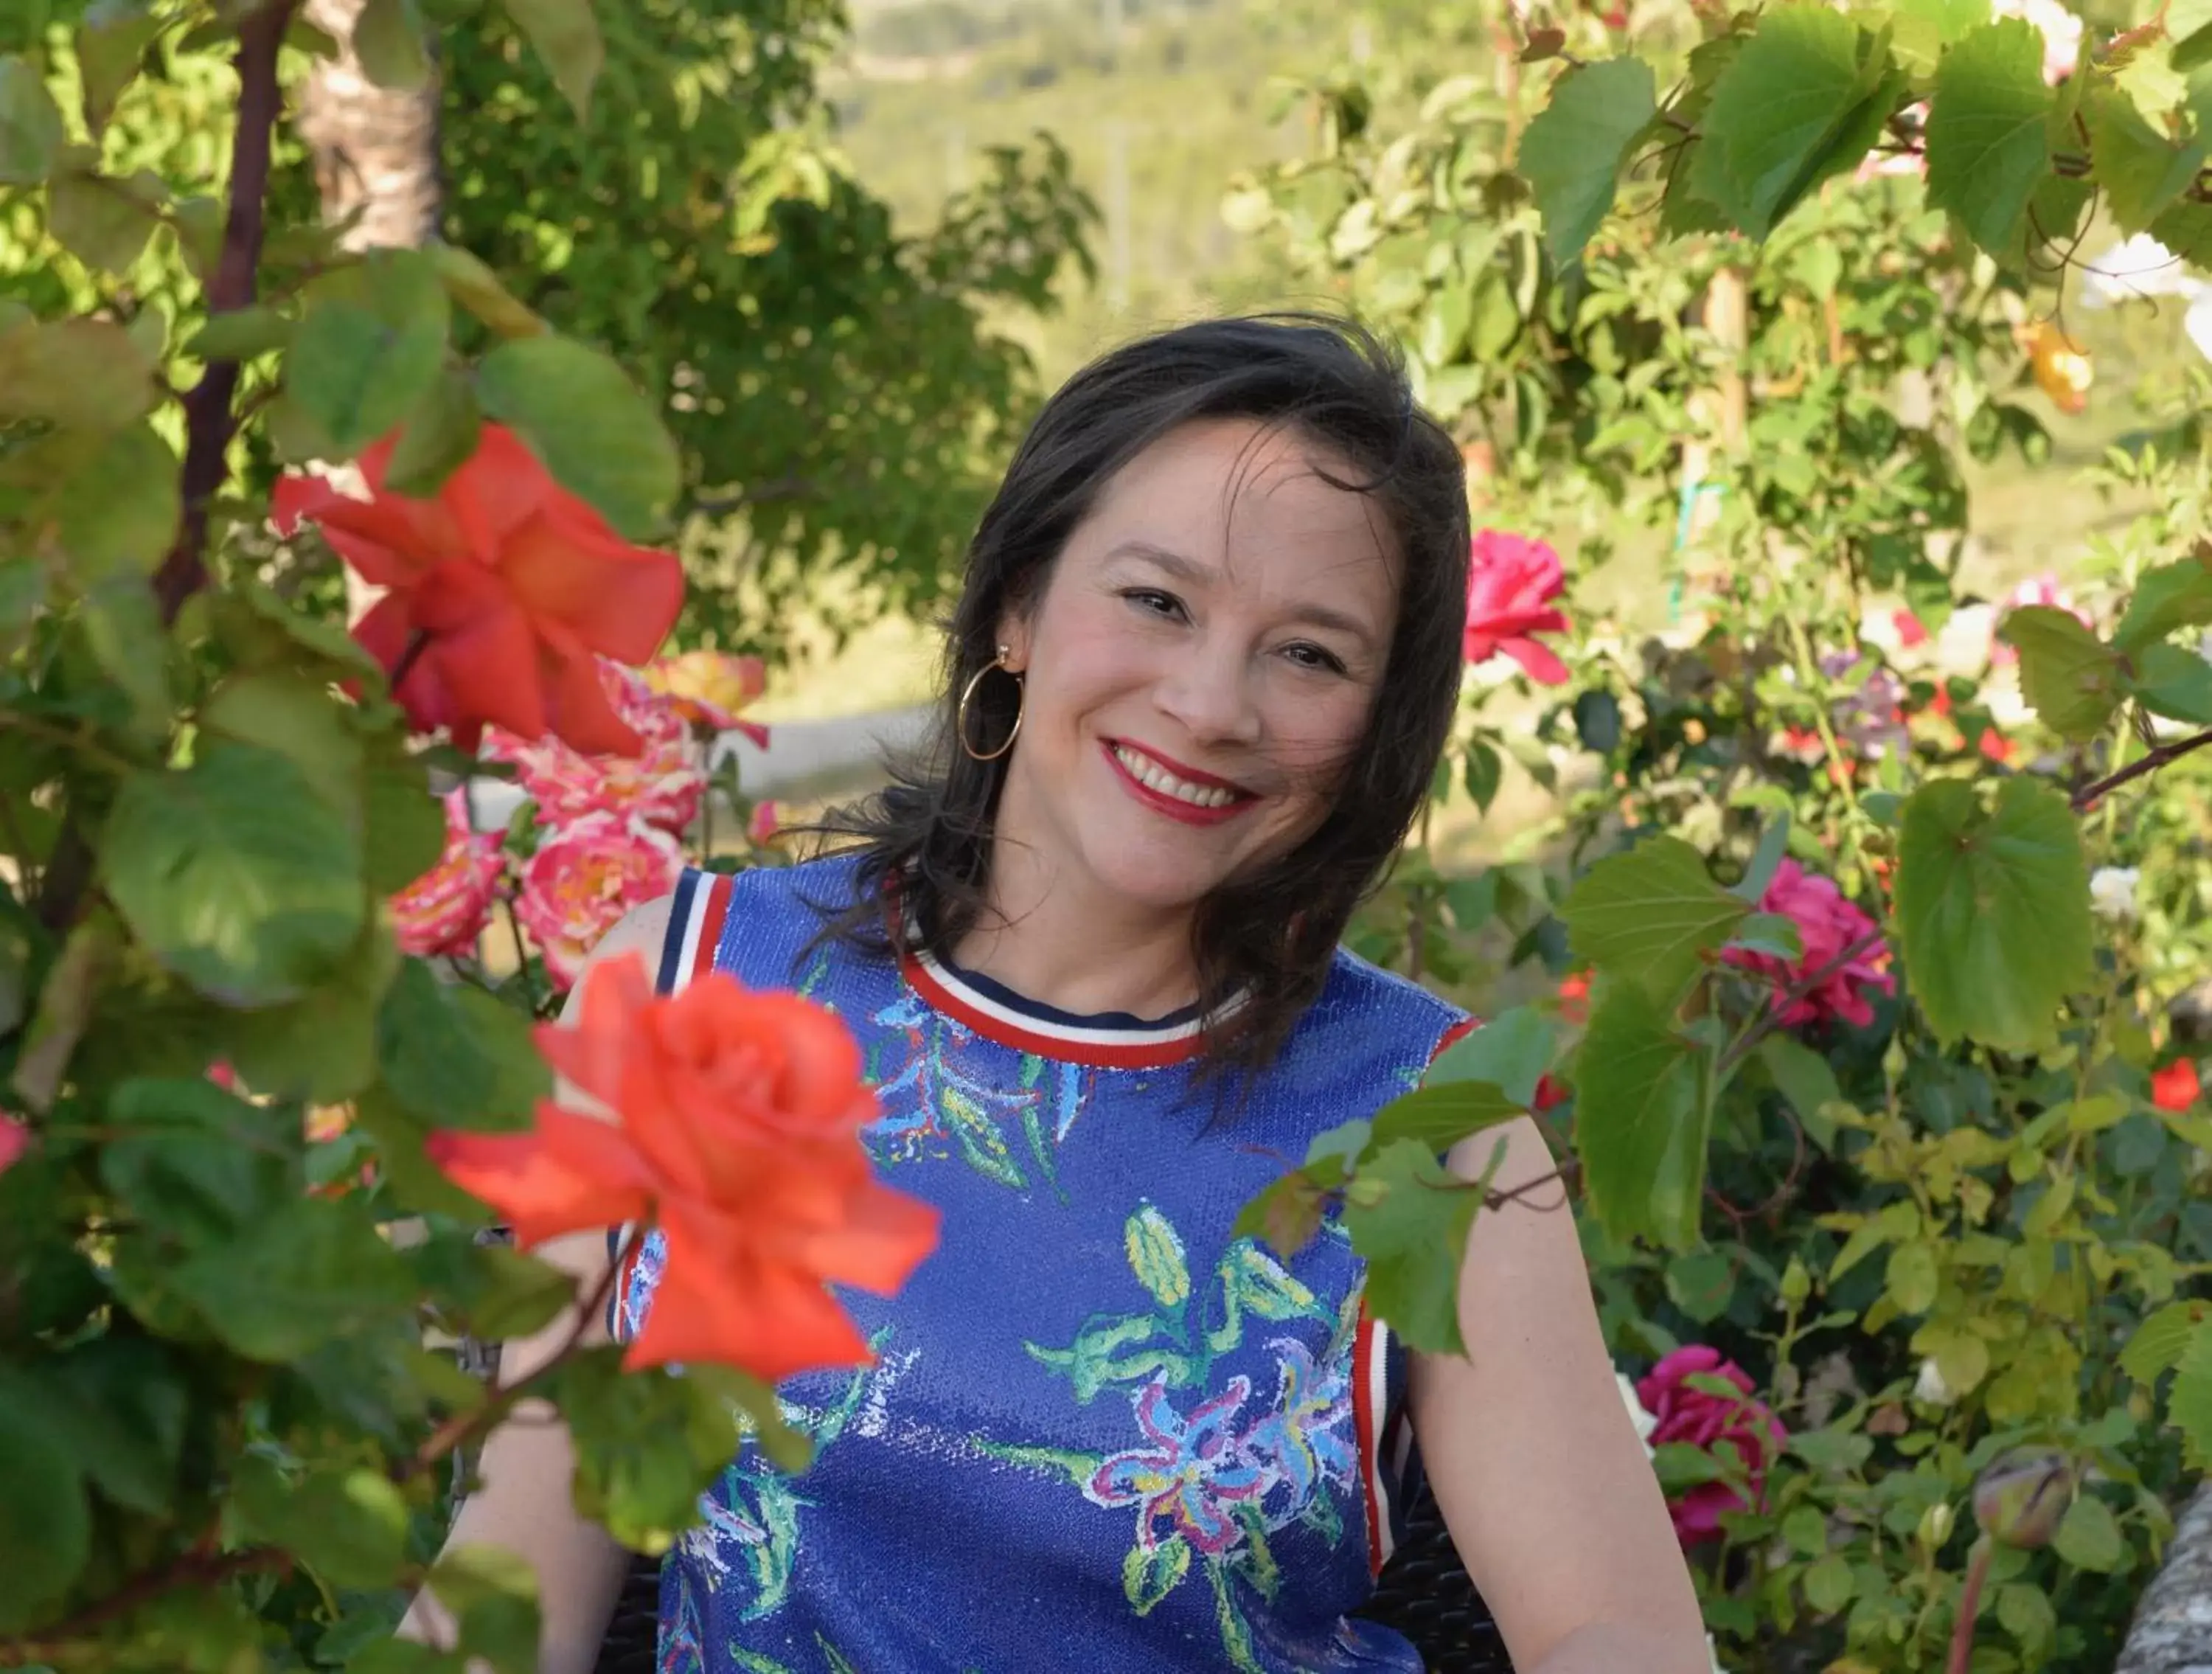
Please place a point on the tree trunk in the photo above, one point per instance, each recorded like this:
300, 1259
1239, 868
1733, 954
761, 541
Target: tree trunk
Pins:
2173, 1631
375, 151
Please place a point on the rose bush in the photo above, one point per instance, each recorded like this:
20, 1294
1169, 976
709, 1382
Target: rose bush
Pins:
1909, 1132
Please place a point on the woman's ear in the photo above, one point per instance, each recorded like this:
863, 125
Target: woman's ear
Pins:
1014, 636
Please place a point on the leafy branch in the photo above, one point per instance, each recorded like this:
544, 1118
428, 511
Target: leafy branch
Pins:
2088, 796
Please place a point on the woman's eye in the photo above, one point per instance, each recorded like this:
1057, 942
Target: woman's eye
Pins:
1312, 656
1154, 602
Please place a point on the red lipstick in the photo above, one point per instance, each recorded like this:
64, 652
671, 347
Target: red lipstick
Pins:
1188, 814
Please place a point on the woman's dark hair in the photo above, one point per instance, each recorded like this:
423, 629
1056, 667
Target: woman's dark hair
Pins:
1269, 936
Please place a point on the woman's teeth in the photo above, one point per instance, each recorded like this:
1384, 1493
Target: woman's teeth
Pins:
1150, 774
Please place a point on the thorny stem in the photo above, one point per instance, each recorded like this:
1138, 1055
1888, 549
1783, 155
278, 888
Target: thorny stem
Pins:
1970, 1604
2088, 796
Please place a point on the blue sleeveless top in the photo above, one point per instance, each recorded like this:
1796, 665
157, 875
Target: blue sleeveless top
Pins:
1098, 1428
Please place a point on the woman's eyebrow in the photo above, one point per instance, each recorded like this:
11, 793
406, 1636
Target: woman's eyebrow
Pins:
1192, 573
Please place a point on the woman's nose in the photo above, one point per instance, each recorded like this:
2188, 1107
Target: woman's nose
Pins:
1208, 693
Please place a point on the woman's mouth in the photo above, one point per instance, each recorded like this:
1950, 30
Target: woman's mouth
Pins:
1180, 793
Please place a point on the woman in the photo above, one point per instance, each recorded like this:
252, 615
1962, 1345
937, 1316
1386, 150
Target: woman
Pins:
1203, 668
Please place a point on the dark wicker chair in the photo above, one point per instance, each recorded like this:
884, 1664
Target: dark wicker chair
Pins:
1425, 1594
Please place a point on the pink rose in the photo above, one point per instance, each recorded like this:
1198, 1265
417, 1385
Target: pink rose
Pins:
1827, 925
1509, 588
14, 1140
708, 688
444, 909
765, 823
661, 784
584, 878
1710, 1422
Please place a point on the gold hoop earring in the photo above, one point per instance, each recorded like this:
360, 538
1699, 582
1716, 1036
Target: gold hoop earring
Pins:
967, 698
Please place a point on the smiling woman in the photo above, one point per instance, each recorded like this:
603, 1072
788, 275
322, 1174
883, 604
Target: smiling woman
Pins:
1206, 658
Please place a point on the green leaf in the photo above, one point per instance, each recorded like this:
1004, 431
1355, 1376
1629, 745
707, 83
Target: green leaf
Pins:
388, 39
1921, 29
2190, 1401
1511, 1052
1766, 860
2089, 1536
122, 627
235, 873
455, 1056
31, 129
1439, 1117
2168, 597
2024, 1610
566, 36
1156, 1256
439, 436
1787, 110
599, 435
369, 348
242, 334
1641, 1118
476, 288
1412, 1237
404, 829
2172, 681
1702, 1283
1288, 1212
348, 1526
2142, 173
1806, 1079
197, 1163
1993, 910
2070, 677
1573, 150
105, 222
493, 1592
298, 718
123, 1404
111, 39
46, 1527
313, 1272
85, 375
1829, 1583
1772, 933
1649, 916
1482, 772
1989, 143
118, 508
2158, 1342
1912, 1281
322, 1047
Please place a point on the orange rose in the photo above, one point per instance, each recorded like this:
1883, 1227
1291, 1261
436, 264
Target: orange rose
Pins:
498, 592
737, 1117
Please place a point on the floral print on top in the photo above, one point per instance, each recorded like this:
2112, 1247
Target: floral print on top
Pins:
1096, 1418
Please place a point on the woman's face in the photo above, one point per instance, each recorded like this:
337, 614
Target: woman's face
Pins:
1201, 665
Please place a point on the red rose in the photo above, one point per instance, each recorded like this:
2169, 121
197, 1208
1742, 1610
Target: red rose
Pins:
1701, 1419
1510, 587
2176, 1087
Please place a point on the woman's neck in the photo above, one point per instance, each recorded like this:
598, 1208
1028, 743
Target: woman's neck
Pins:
1051, 940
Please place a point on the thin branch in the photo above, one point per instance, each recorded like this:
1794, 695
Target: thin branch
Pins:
1778, 1006
199, 1568
2088, 796
209, 423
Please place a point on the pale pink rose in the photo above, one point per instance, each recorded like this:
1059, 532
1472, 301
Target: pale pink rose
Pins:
14, 1140
444, 909
708, 688
584, 878
765, 823
662, 784
1827, 925
2062, 33
1700, 1419
1510, 585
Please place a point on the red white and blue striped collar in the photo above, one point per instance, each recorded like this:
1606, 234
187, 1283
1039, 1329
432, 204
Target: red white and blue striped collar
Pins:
1105, 1043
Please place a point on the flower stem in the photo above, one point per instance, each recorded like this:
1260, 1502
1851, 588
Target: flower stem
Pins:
2088, 796
1970, 1605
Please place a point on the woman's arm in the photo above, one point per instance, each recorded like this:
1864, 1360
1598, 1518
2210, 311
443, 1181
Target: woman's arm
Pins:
1550, 1499
524, 1502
